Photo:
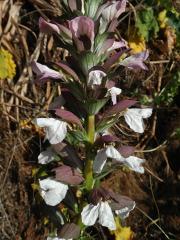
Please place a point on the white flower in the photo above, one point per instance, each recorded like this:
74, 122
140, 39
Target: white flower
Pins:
102, 155
95, 77
53, 192
134, 118
56, 238
44, 73
55, 129
100, 161
101, 212
114, 92
134, 163
46, 156
117, 45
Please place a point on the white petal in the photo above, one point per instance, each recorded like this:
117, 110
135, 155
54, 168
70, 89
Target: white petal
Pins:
40, 69
146, 112
53, 192
124, 212
134, 118
89, 214
106, 217
44, 69
55, 129
111, 152
46, 156
95, 77
56, 238
114, 92
100, 161
117, 45
53, 238
134, 163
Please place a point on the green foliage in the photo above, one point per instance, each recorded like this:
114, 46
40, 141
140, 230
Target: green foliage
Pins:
165, 3
93, 106
91, 7
170, 91
146, 23
75, 137
177, 133
174, 22
87, 61
87, 236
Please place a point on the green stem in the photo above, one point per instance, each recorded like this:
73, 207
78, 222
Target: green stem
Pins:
88, 172
91, 128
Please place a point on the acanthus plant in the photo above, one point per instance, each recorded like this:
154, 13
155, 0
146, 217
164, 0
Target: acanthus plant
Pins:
81, 146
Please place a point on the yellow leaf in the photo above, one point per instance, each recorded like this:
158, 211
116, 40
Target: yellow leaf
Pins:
35, 186
122, 233
162, 18
45, 220
136, 43
78, 194
35, 171
7, 65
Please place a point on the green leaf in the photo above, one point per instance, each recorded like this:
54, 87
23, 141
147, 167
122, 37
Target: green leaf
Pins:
93, 106
168, 93
174, 22
88, 60
177, 133
77, 90
147, 24
75, 137
106, 124
91, 7
99, 40
165, 3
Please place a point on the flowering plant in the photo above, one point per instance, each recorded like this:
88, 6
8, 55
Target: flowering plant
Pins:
82, 151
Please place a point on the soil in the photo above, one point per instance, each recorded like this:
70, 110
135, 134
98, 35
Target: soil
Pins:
156, 193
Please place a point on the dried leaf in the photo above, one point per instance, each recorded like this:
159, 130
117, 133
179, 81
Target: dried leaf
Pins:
171, 39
